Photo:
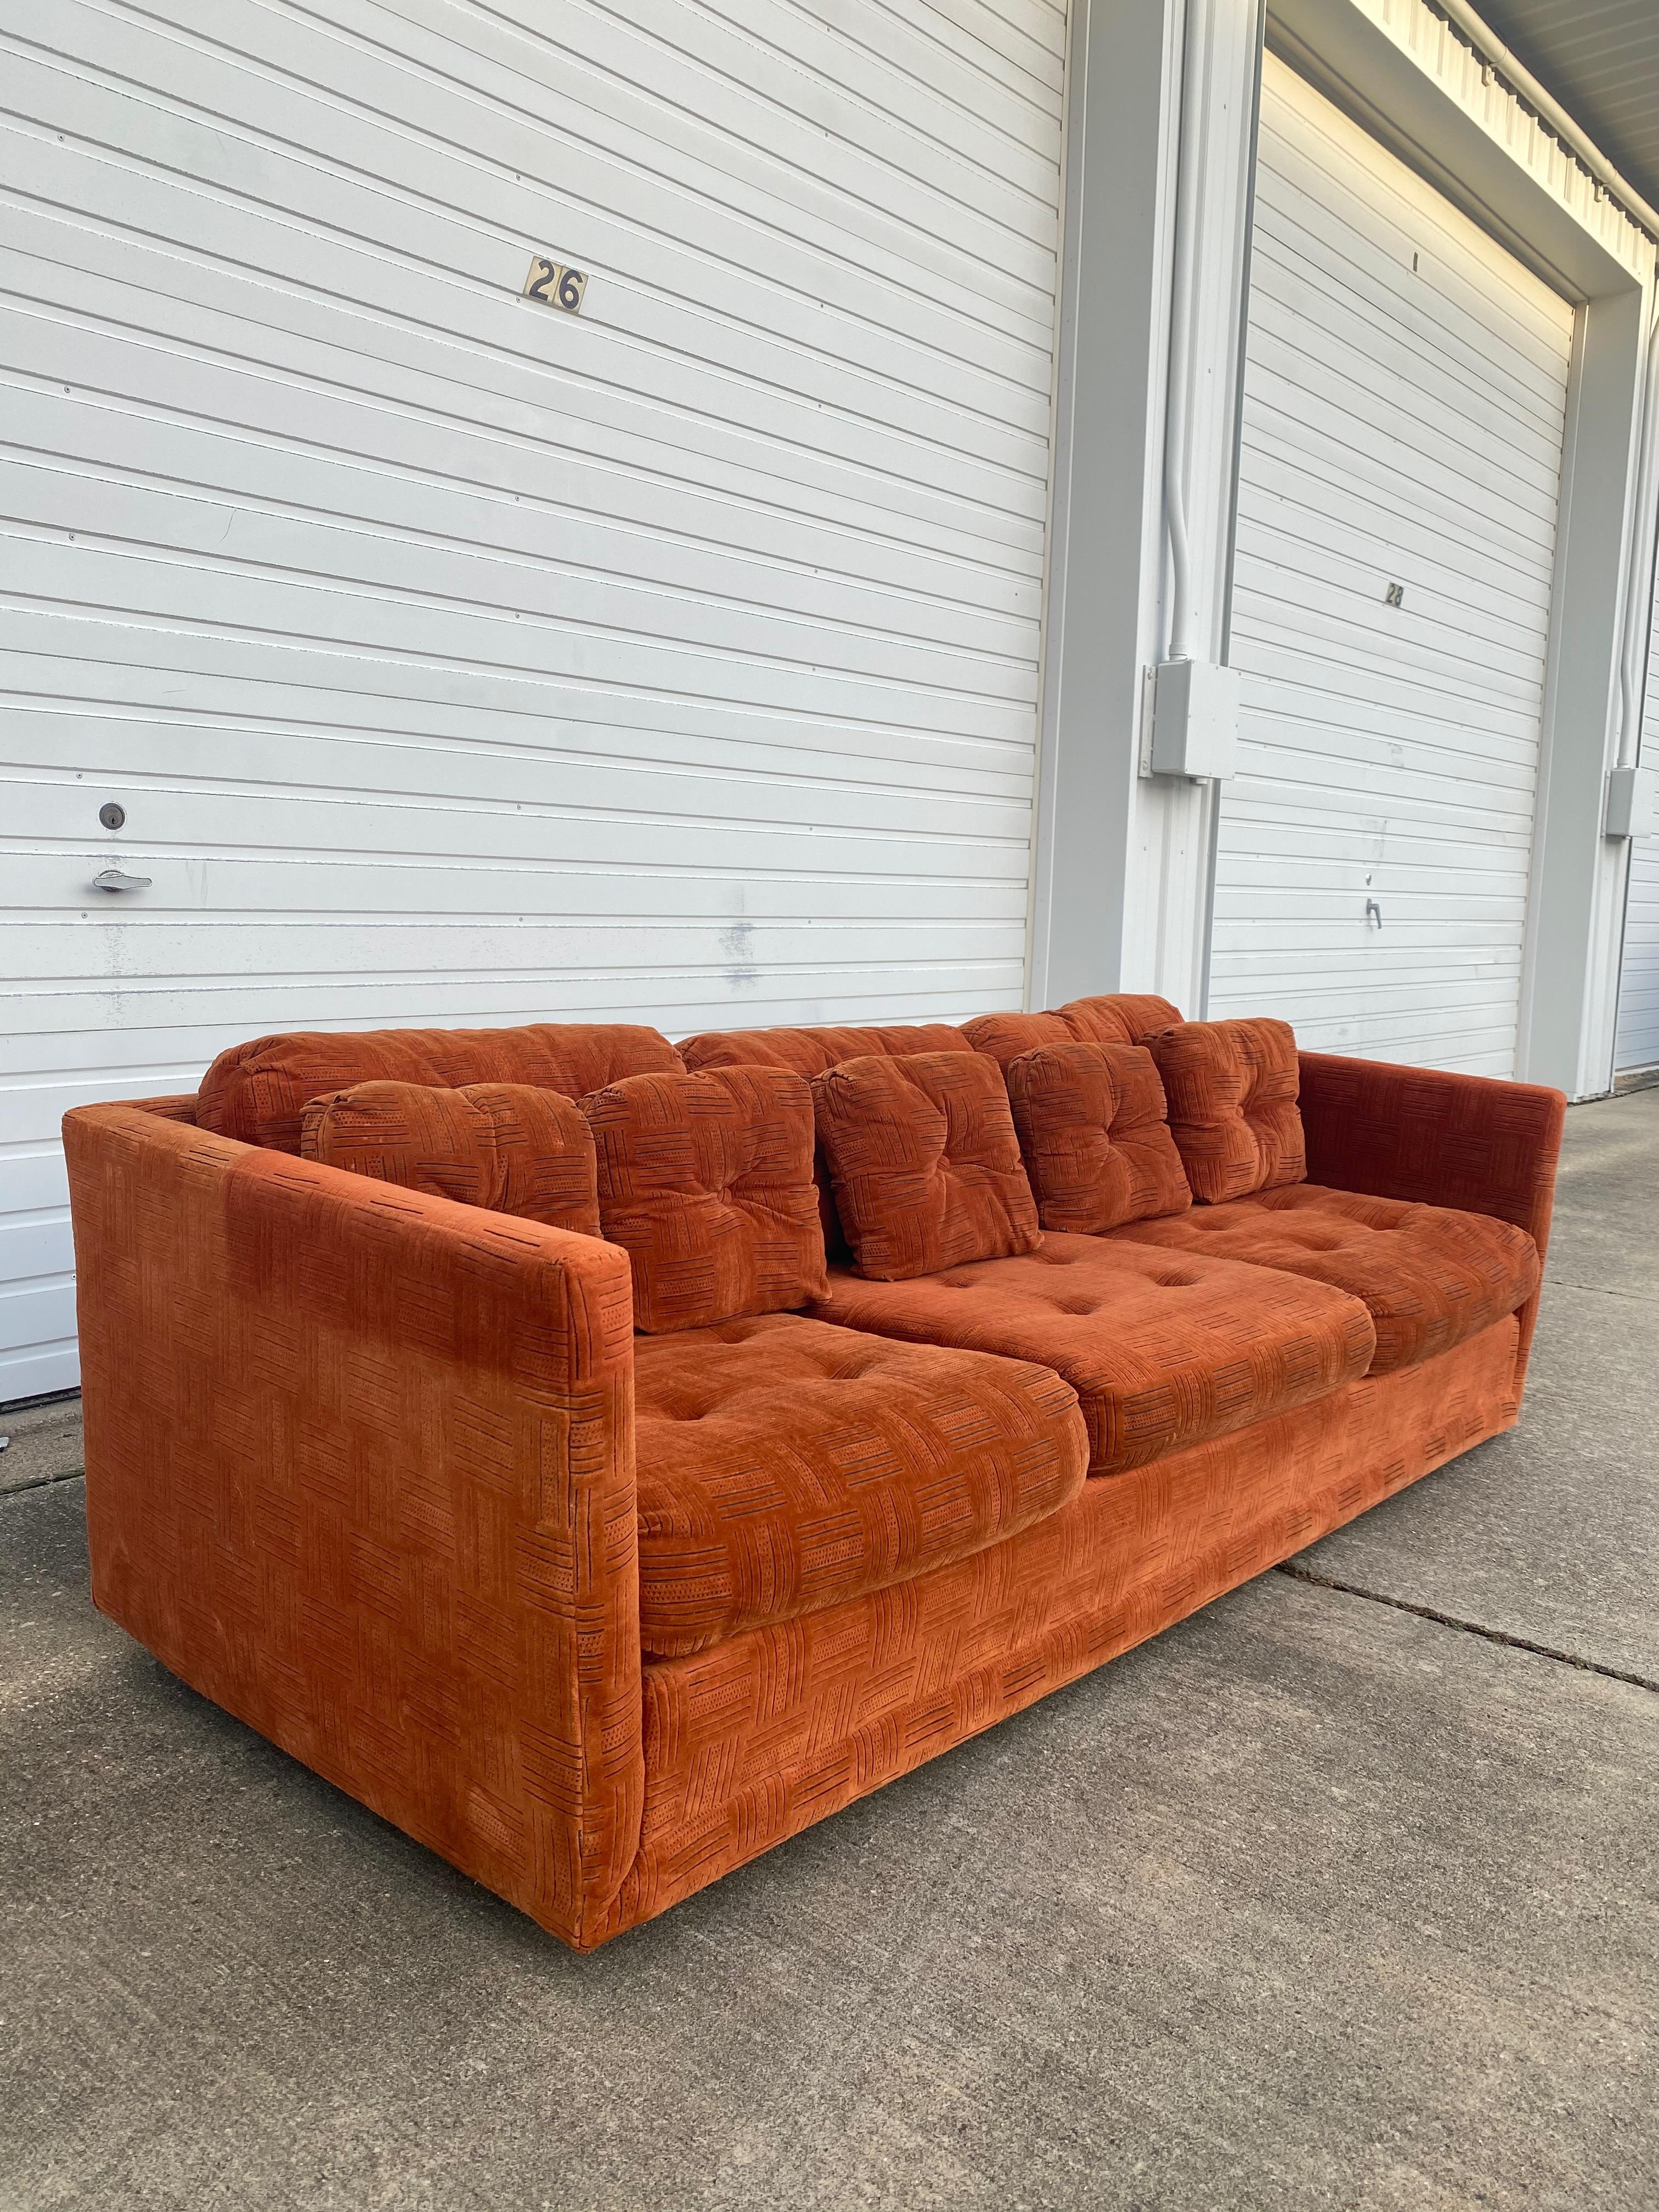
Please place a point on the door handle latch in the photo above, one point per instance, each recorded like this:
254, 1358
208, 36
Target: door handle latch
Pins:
112, 879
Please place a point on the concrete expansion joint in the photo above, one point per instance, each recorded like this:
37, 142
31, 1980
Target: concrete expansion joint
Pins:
41, 1482
1466, 1627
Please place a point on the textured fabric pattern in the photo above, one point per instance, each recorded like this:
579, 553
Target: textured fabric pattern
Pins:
1429, 1278
1162, 1351
1466, 1141
1232, 1089
750, 1743
360, 1470
506, 1146
1122, 1018
809, 1052
706, 1182
1091, 1127
258, 1091
784, 1465
924, 1162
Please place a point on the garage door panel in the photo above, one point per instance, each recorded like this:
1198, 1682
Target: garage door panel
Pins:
509, 401
237, 543
1448, 306
1388, 516
129, 442
1357, 392
1375, 849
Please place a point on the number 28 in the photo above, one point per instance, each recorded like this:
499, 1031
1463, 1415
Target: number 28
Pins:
555, 285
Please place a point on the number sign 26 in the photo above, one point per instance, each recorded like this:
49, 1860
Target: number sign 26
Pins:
555, 285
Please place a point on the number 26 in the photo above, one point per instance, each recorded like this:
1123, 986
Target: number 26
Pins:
555, 285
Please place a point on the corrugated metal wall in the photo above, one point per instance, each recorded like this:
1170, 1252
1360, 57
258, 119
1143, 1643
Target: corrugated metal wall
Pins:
456, 660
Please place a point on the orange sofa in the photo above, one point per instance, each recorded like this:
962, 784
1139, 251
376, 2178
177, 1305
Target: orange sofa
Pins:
378, 1459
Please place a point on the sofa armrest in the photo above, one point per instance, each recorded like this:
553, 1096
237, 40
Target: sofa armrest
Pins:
359, 1468
1474, 1142
1468, 1141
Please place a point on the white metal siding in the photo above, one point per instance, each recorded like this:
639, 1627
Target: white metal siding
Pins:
1404, 400
458, 660
1637, 1040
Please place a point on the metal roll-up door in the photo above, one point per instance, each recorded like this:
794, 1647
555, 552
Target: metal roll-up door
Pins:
1405, 399
1636, 1040
456, 658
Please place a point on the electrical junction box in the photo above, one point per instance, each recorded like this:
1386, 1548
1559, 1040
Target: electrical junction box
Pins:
1194, 720
1633, 806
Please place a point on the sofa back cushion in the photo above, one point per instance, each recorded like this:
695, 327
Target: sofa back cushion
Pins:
924, 1162
1097, 1145
810, 1051
1119, 1018
1232, 1089
507, 1146
706, 1181
258, 1091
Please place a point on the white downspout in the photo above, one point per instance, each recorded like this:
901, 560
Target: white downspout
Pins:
1638, 596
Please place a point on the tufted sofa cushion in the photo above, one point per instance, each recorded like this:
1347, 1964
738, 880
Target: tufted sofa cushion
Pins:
706, 1182
1119, 1018
1430, 1277
784, 1466
924, 1162
507, 1146
1163, 1350
809, 1052
1232, 1089
1092, 1131
258, 1091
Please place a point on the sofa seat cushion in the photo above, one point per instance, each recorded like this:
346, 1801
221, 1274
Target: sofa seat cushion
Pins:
784, 1465
1163, 1350
1429, 1276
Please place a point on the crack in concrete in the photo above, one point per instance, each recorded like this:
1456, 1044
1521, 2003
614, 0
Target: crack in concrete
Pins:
40, 1482
1465, 1627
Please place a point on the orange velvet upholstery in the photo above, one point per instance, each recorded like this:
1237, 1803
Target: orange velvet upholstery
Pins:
1231, 1090
359, 1468
1120, 1017
258, 1091
1428, 1277
506, 1146
1091, 1126
1162, 1351
809, 1052
751, 1743
784, 1466
706, 1182
924, 1162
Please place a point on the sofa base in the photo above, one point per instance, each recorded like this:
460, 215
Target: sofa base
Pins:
749, 1743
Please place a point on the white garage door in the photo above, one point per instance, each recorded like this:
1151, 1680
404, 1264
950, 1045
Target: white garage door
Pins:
1636, 1044
458, 660
1405, 395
